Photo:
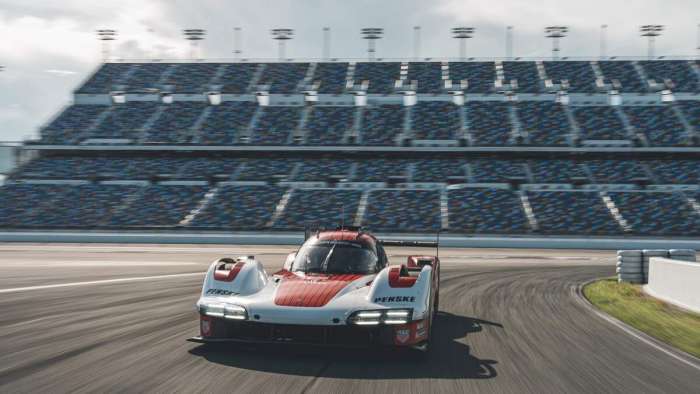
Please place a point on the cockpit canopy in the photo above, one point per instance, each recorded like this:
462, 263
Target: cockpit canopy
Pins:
336, 257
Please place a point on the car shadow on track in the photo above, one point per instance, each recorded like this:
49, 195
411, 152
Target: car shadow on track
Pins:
449, 358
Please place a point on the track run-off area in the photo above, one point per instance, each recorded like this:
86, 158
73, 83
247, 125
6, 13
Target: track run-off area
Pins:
96, 318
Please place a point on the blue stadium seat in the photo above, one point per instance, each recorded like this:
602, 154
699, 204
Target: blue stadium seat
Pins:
71, 124
667, 214
437, 170
659, 123
691, 110
160, 206
489, 123
557, 171
267, 169
192, 77
622, 71
175, 124
382, 76
677, 72
567, 212
63, 206
74, 167
544, 123
480, 76
236, 207
485, 211
428, 76
225, 122
323, 169
436, 120
316, 208
236, 77
105, 78
615, 171
329, 125
331, 77
381, 124
498, 171
579, 74
599, 123
379, 170
146, 76
406, 211
525, 73
125, 120
284, 78
204, 168
686, 172
275, 125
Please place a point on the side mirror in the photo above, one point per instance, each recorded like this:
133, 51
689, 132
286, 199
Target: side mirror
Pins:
289, 261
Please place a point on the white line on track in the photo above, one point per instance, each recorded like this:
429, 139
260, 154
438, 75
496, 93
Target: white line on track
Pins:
100, 282
96, 263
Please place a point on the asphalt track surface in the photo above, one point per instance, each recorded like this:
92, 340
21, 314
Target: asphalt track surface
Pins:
106, 318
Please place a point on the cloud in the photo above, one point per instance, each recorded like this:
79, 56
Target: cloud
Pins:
49, 47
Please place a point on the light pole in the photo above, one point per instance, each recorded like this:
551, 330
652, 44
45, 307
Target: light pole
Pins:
509, 42
651, 32
371, 34
237, 42
416, 42
106, 35
603, 43
326, 43
555, 33
194, 36
282, 35
462, 34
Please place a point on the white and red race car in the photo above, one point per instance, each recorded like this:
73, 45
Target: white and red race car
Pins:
339, 289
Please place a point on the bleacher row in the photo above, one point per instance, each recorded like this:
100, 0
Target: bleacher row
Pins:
534, 123
472, 196
420, 170
461, 210
389, 77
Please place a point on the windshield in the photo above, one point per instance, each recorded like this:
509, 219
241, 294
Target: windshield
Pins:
335, 257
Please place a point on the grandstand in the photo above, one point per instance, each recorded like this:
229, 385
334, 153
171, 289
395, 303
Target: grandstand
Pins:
517, 147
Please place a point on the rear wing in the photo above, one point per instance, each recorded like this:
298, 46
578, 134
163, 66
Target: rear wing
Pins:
415, 244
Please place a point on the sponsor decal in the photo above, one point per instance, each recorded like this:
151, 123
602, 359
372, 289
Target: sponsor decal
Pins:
395, 299
420, 330
402, 335
221, 292
205, 326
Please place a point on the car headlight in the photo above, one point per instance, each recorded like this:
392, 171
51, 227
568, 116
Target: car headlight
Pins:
381, 316
227, 311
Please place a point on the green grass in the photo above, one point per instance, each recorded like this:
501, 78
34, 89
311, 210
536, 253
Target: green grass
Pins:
658, 319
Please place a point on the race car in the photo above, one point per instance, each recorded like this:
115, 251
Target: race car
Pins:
338, 289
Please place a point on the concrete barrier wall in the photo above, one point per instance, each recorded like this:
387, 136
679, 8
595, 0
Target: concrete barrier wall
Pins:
674, 281
633, 265
295, 238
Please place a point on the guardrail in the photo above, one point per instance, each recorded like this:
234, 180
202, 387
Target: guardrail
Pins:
675, 281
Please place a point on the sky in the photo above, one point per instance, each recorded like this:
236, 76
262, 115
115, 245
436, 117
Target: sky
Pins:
49, 47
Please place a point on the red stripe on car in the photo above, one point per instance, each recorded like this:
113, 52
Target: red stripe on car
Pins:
223, 275
396, 280
311, 290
